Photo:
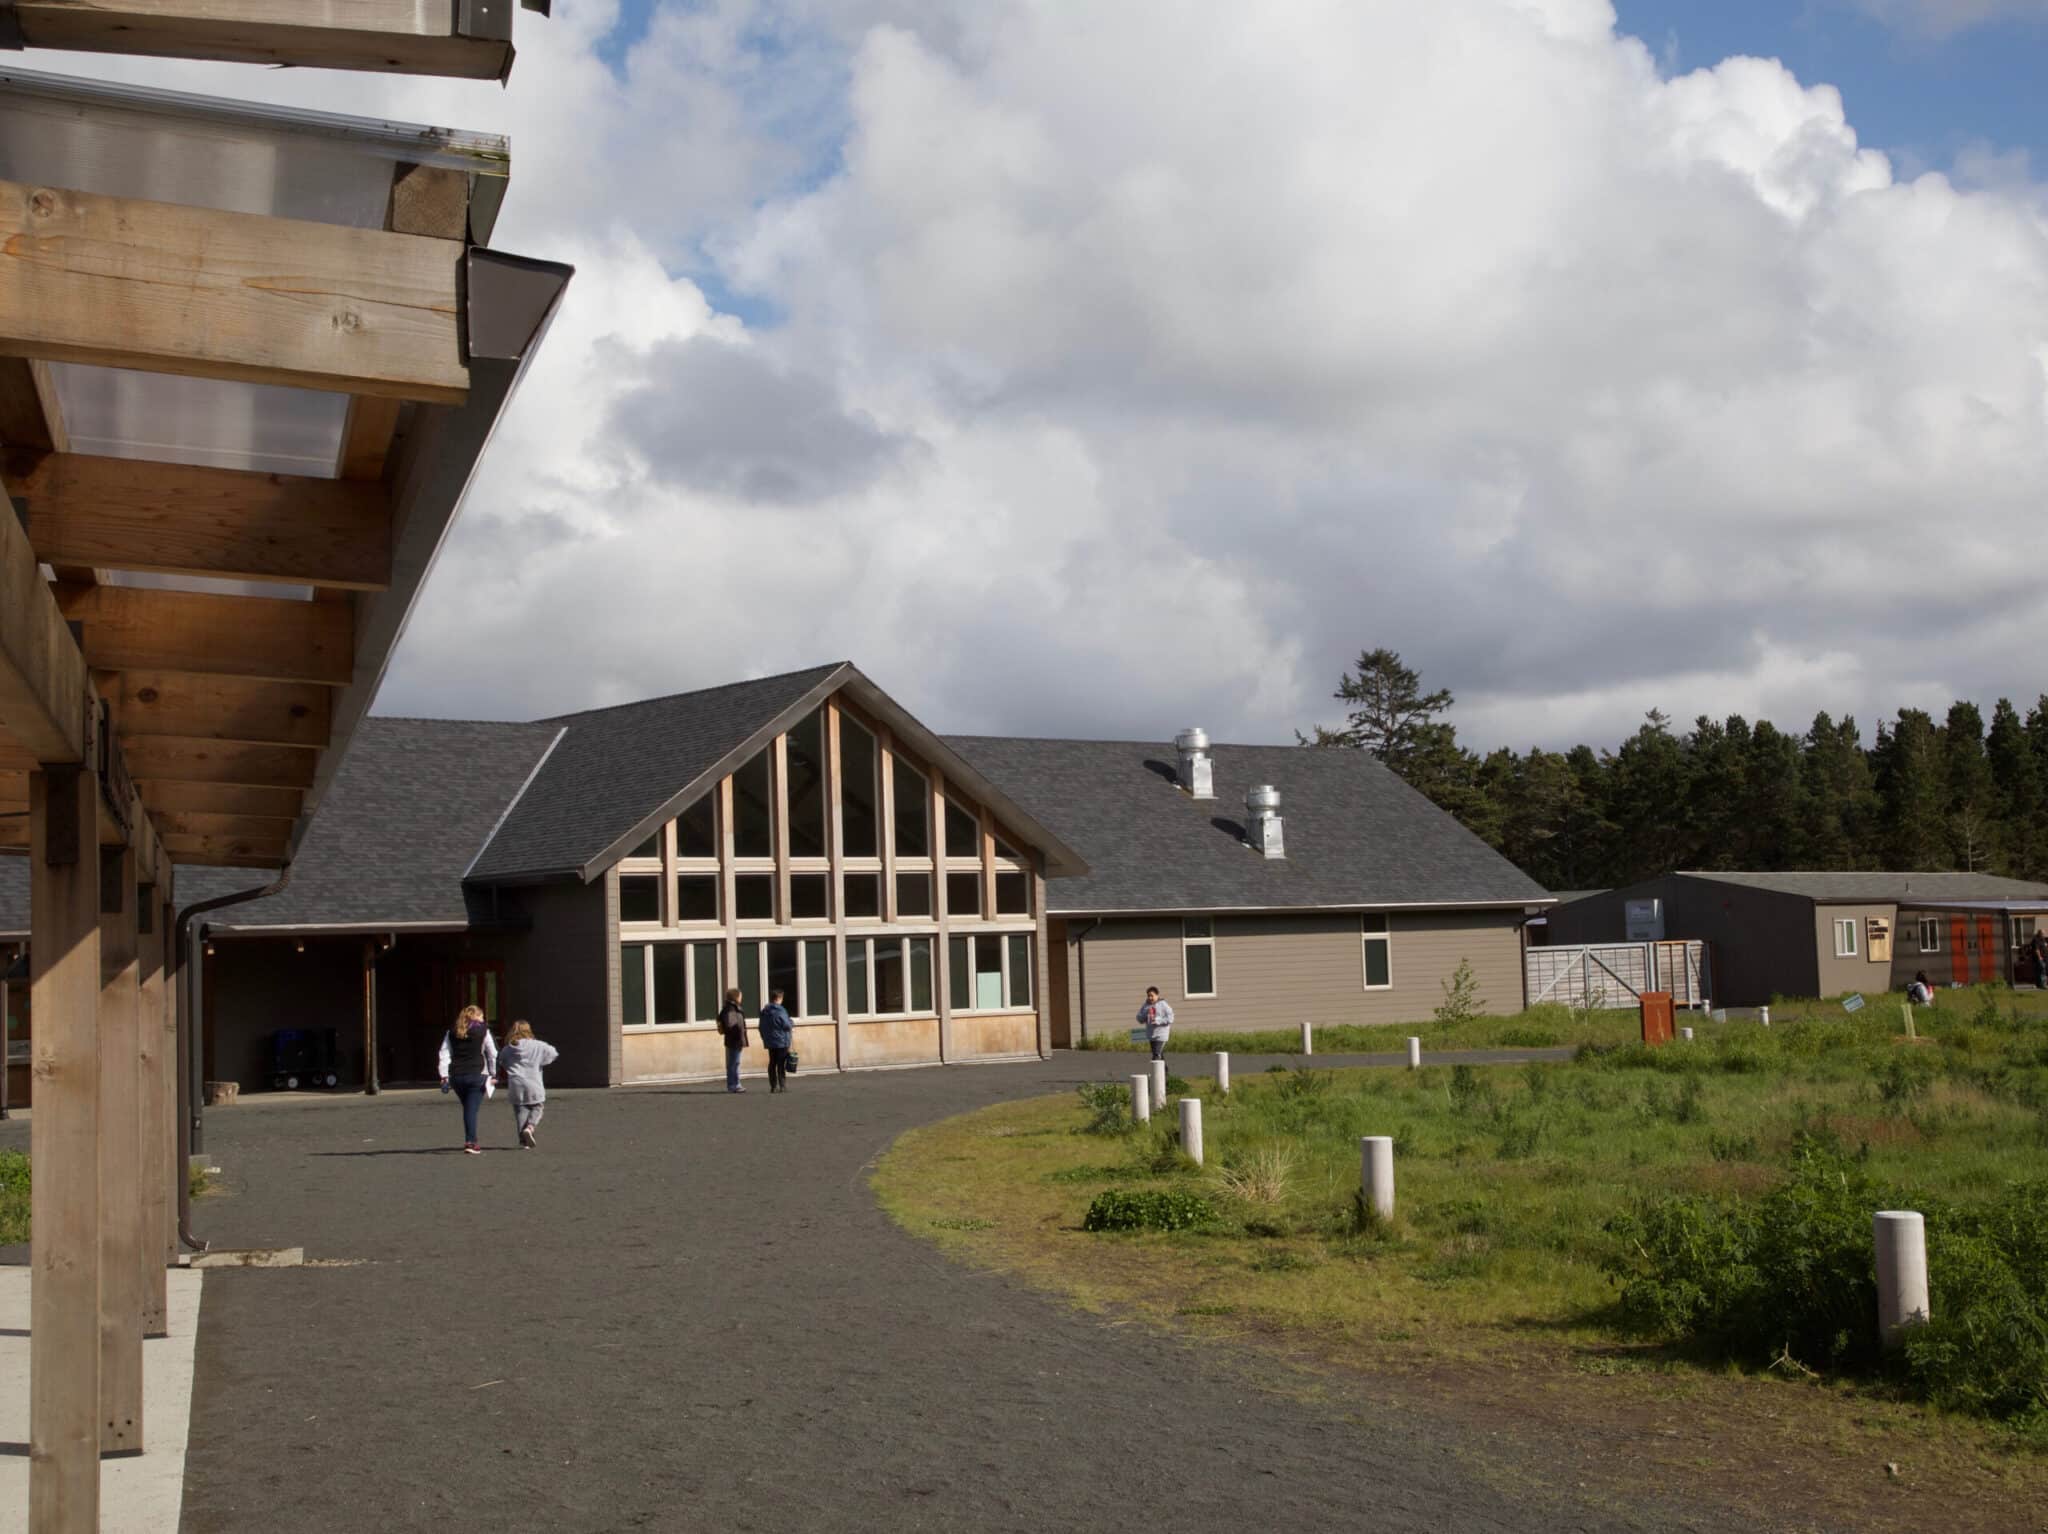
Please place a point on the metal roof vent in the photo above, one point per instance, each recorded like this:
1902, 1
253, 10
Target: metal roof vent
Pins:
1197, 772
1262, 813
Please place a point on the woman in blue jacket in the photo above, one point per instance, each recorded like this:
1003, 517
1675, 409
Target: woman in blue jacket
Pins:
777, 1034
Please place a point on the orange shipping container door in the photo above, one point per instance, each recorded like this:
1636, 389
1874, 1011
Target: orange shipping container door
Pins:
1958, 950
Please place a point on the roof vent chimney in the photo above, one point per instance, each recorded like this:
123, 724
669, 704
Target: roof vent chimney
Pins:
1262, 811
1197, 772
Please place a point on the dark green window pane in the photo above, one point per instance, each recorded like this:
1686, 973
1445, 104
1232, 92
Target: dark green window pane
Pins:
696, 897
913, 895
639, 897
1201, 977
1378, 969
749, 980
651, 848
913, 813
920, 974
1020, 969
754, 896
857, 978
668, 982
963, 894
633, 983
696, 837
889, 995
1013, 894
818, 979
806, 760
864, 896
782, 972
753, 823
858, 800
705, 958
807, 897
963, 832
960, 982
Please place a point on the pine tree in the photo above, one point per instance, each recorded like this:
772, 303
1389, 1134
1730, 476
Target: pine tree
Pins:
2017, 777
1649, 784
1839, 798
1971, 806
1391, 716
1911, 793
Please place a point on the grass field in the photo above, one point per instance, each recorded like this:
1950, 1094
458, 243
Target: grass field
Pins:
1510, 1181
1545, 1027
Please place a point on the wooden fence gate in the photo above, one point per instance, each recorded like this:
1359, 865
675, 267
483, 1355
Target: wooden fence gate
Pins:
1604, 975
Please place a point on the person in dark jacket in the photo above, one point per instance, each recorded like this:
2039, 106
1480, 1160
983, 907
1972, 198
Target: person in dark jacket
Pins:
2037, 950
732, 1027
468, 1059
777, 1034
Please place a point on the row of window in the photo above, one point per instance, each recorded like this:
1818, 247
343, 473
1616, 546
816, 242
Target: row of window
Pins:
753, 896
1930, 934
860, 805
667, 983
1198, 954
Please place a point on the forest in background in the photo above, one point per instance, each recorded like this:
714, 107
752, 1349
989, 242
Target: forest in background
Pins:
1923, 794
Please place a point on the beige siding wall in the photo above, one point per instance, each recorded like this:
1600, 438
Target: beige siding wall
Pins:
1277, 971
1860, 973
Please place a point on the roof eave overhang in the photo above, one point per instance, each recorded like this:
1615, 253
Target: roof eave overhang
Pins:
509, 303
1053, 908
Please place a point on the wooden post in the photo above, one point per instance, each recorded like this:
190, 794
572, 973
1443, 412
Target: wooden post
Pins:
153, 1165
120, 1046
835, 849
942, 945
64, 1284
174, 1170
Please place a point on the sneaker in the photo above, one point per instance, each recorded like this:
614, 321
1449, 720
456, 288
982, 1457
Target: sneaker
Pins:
526, 1137
472, 1150
735, 1089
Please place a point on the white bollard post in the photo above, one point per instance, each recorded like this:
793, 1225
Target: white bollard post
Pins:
1414, 1054
1141, 1098
1763, 1015
1159, 1085
1686, 1034
1901, 1237
1223, 1071
1191, 1129
1308, 1043
1376, 1173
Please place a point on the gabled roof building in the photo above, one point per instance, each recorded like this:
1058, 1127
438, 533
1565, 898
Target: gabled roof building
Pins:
919, 899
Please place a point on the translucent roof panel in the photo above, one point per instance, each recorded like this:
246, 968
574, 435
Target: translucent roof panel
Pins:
169, 147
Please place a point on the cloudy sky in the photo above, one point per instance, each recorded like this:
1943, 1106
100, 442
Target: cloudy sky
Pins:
1101, 369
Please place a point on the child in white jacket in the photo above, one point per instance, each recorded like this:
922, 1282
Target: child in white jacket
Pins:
522, 1059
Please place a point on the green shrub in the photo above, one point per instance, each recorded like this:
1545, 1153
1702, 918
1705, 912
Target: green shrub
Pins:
1148, 1209
1731, 1147
1461, 996
1176, 1086
14, 1198
1109, 1107
1306, 1081
1904, 1078
1470, 1093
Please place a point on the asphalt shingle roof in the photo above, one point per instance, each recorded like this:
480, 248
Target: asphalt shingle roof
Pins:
1355, 834
1899, 887
617, 766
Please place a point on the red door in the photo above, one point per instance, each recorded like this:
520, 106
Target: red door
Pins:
1959, 950
1987, 949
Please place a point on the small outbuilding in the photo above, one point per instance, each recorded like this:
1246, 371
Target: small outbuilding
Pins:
1822, 933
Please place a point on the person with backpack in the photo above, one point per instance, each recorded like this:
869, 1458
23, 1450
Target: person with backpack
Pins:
732, 1027
468, 1062
778, 1033
522, 1059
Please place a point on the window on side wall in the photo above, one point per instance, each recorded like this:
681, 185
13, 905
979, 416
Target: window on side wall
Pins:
1845, 937
1930, 934
1198, 956
1379, 951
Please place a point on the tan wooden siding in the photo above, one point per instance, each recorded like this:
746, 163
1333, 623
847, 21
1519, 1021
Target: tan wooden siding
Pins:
1860, 973
1277, 971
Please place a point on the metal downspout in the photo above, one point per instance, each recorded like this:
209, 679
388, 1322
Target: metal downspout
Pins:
1081, 980
192, 1136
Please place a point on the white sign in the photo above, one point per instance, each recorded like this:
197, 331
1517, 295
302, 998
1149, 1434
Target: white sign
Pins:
1852, 1003
1645, 920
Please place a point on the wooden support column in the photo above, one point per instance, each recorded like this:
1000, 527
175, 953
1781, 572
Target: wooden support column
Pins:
64, 1285
942, 960
1041, 982
173, 1174
370, 1086
835, 849
725, 885
120, 1047
885, 831
154, 1048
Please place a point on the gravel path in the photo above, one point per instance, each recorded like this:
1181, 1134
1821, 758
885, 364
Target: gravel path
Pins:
687, 1311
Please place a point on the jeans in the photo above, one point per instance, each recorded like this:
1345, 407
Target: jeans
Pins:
527, 1115
1158, 1049
732, 1067
778, 1070
471, 1090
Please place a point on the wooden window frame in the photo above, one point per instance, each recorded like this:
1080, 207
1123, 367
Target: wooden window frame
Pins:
1366, 938
1002, 933
647, 943
1930, 924
798, 936
1188, 941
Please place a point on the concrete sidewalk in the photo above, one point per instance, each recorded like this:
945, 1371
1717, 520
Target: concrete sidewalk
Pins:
141, 1494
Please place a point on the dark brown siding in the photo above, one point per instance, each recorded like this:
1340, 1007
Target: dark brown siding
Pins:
1761, 942
567, 981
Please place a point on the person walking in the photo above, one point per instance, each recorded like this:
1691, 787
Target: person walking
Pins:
777, 1034
523, 1058
1156, 1018
2037, 950
732, 1027
468, 1059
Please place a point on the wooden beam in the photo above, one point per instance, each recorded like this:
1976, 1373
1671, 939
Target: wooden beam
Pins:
44, 691
387, 36
121, 1219
64, 1147
218, 708
29, 413
170, 798
126, 514
431, 200
173, 289
13, 791
262, 638
155, 1048
196, 825
366, 437
212, 761
228, 852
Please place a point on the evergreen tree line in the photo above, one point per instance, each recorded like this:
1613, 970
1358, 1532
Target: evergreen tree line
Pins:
1726, 794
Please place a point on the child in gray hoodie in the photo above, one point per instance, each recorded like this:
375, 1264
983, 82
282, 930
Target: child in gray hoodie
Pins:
522, 1060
